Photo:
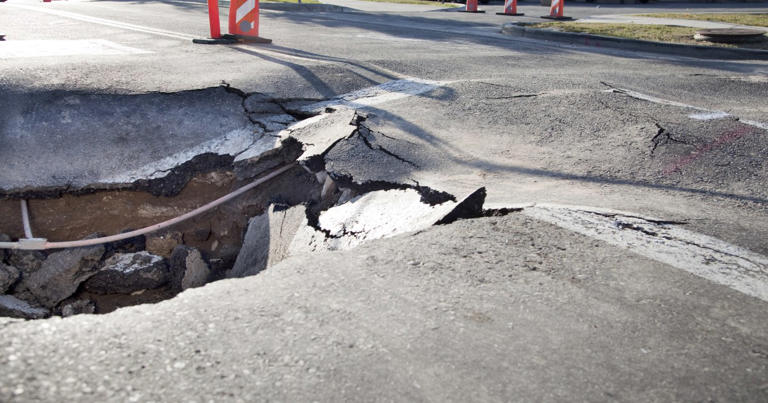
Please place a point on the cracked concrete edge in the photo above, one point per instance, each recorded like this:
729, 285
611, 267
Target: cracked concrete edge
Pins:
379, 214
578, 38
608, 212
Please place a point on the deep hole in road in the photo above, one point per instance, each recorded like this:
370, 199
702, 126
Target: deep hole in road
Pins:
307, 208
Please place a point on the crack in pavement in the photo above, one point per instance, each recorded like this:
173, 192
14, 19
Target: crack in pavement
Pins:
707, 114
364, 132
517, 96
662, 137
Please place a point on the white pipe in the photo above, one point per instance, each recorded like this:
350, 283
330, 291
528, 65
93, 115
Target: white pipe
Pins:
155, 227
25, 219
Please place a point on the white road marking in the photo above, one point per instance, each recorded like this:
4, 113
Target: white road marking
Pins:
61, 47
106, 22
706, 114
387, 92
698, 254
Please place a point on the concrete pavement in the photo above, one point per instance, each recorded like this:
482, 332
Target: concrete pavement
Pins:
531, 312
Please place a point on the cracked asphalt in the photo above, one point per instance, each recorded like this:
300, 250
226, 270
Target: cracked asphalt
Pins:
545, 301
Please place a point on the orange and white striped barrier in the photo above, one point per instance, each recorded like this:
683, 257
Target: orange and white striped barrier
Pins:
244, 20
472, 7
243, 23
556, 11
510, 8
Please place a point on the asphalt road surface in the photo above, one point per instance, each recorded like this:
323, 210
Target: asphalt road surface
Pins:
625, 261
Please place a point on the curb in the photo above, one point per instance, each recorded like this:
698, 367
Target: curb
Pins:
577, 38
317, 8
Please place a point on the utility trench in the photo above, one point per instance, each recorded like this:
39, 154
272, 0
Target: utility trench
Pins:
308, 207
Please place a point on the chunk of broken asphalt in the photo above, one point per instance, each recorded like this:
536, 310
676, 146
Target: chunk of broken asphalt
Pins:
267, 239
13, 307
125, 273
381, 214
188, 269
60, 275
320, 134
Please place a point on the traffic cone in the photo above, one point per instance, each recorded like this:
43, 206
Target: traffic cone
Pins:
556, 11
510, 8
472, 7
215, 25
244, 21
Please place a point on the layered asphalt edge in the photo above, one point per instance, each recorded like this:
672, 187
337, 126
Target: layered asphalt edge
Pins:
578, 38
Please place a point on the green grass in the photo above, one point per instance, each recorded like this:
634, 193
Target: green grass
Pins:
290, 1
421, 2
757, 20
659, 33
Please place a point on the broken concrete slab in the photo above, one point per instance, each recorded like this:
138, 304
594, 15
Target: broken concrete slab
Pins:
319, 134
76, 133
265, 154
188, 269
381, 214
60, 275
268, 239
272, 123
376, 154
13, 307
125, 273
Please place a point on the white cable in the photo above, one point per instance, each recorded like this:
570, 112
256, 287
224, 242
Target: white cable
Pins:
25, 219
155, 227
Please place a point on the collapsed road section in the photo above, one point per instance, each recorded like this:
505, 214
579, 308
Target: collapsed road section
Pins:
277, 182
275, 146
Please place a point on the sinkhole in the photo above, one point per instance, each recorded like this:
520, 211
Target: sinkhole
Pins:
152, 158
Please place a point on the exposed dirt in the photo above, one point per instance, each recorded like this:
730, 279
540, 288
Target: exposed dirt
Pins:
218, 232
